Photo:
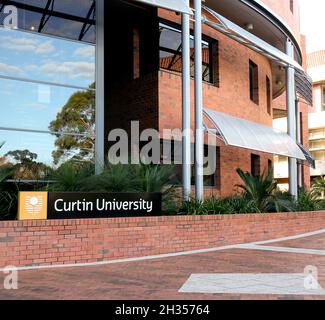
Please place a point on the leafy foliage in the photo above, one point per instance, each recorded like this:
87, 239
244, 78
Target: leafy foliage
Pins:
318, 187
259, 195
70, 177
8, 198
78, 117
262, 191
25, 165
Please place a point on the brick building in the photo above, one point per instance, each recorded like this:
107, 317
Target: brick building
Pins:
137, 68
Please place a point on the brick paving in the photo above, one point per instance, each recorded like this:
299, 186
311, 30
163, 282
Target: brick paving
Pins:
162, 278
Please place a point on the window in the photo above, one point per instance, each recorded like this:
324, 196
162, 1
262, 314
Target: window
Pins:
323, 98
253, 82
211, 176
136, 53
291, 6
269, 165
52, 119
170, 51
255, 165
171, 153
268, 95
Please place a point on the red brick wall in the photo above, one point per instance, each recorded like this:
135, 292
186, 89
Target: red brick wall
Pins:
26, 243
231, 97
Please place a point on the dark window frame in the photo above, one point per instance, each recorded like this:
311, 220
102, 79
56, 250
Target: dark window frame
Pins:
255, 165
253, 82
292, 6
268, 95
213, 47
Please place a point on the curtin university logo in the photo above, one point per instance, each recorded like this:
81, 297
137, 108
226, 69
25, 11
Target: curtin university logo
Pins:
32, 205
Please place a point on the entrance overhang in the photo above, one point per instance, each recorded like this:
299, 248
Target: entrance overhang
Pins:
249, 135
277, 58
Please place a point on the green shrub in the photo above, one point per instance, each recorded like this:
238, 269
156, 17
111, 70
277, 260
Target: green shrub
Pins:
318, 187
230, 205
70, 177
308, 201
262, 191
8, 195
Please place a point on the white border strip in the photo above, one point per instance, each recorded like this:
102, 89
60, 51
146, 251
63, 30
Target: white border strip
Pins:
103, 263
305, 235
283, 249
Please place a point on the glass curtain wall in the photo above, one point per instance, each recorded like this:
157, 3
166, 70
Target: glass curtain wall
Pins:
47, 85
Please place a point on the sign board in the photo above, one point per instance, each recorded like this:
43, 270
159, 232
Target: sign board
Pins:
76, 205
32, 205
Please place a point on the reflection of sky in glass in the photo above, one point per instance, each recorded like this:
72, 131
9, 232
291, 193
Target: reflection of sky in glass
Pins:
42, 58
41, 144
33, 106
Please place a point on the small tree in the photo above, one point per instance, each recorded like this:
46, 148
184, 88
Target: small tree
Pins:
25, 165
78, 118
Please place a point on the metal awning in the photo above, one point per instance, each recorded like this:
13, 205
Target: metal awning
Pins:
246, 38
175, 5
310, 159
246, 134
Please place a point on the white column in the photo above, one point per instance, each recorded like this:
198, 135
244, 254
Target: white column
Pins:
186, 105
291, 109
100, 88
199, 130
299, 139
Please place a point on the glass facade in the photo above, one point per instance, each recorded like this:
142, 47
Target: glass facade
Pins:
171, 53
47, 85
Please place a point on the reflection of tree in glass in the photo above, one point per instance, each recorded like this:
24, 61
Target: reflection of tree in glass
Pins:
3, 160
74, 128
25, 165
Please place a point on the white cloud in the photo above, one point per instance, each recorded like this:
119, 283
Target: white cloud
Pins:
70, 69
85, 52
27, 45
7, 69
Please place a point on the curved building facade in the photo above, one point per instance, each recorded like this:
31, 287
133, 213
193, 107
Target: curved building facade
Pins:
104, 65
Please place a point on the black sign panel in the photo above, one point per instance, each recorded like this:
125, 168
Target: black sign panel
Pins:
75, 205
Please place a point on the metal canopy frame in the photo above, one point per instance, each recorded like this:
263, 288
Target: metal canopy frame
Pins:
249, 40
249, 135
48, 11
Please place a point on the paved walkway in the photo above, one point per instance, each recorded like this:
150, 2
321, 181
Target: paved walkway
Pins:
266, 270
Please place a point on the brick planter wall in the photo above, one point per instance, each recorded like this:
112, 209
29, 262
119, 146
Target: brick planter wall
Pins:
26, 243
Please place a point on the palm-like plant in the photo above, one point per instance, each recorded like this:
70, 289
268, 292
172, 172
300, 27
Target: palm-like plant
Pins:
114, 178
262, 191
70, 177
318, 187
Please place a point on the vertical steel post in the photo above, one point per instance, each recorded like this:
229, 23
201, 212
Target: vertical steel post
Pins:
186, 105
299, 139
291, 106
199, 130
100, 89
